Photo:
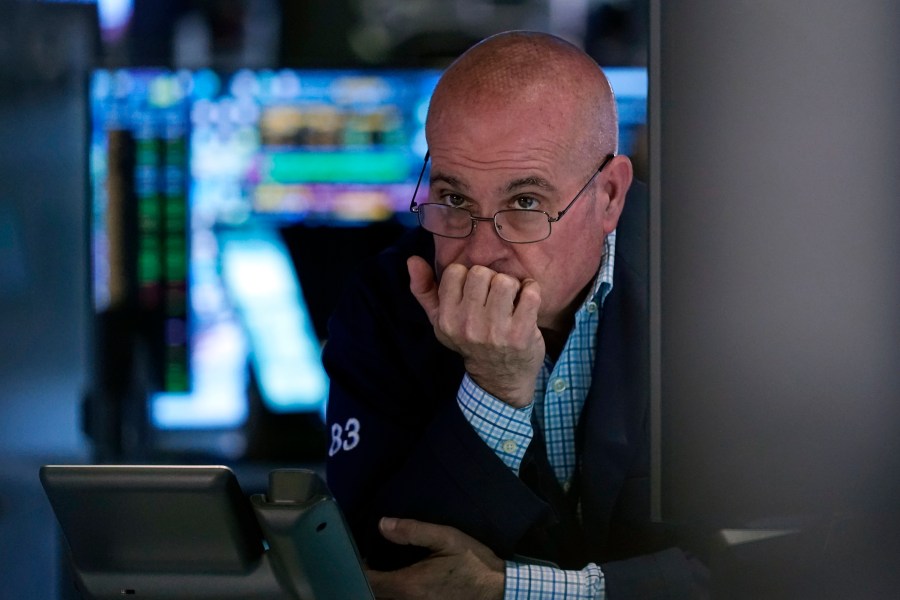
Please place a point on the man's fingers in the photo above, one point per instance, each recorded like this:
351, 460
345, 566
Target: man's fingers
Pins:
442, 540
528, 303
410, 532
502, 299
453, 281
477, 285
422, 285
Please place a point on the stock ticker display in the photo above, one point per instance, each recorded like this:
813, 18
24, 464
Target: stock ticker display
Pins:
194, 175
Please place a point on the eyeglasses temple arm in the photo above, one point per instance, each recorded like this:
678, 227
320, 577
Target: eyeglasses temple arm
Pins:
412, 203
560, 214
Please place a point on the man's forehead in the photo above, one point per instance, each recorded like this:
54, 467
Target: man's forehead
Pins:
504, 180
520, 140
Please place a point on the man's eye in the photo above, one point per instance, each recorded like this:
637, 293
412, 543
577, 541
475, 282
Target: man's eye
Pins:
526, 203
453, 200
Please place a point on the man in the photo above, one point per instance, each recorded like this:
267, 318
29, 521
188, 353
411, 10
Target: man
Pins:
488, 411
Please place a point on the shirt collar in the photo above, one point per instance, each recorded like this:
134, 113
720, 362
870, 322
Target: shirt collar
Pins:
604, 281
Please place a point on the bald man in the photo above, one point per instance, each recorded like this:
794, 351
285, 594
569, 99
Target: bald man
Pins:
489, 386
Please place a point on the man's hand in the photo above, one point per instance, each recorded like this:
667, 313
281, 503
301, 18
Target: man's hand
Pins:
459, 566
488, 318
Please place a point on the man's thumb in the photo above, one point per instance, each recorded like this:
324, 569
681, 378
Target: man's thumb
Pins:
422, 284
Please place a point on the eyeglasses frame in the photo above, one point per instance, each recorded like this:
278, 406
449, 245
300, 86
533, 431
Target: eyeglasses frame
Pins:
413, 205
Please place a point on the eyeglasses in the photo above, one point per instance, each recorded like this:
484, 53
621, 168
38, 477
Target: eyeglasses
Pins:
515, 225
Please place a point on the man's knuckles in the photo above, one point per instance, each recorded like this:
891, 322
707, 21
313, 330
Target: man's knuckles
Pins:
530, 294
504, 288
480, 272
454, 274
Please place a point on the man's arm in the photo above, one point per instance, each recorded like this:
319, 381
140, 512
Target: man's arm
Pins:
443, 474
400, 446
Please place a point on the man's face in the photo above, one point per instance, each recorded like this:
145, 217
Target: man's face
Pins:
501, 162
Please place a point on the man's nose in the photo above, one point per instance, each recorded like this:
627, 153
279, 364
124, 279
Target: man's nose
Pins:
485, 246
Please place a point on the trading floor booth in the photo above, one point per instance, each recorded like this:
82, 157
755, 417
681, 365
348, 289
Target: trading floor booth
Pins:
226, 211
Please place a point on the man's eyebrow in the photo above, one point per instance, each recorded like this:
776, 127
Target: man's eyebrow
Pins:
450, 180
531, 181
512, 186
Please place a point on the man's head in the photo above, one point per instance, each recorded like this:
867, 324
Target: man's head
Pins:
522, 120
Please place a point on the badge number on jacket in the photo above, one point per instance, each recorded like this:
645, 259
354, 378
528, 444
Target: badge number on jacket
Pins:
344, 438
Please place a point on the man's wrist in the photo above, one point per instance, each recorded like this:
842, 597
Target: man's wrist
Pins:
506, 430
516, 394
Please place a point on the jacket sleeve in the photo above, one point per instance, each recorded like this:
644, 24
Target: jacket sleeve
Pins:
399, 444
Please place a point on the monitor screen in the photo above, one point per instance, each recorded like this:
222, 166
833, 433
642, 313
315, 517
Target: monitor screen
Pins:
227, 208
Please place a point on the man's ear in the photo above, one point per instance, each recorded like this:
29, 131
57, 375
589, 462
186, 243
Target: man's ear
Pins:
619, 173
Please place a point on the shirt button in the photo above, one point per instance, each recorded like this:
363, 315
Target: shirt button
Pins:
509, 446
559, 385
592, 307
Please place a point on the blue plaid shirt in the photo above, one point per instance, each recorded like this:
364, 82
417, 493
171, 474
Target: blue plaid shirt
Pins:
559, 396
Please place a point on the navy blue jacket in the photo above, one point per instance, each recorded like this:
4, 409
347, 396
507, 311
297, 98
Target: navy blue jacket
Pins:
401, 447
